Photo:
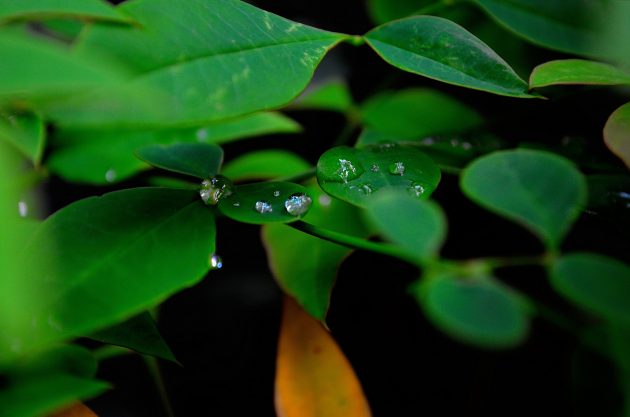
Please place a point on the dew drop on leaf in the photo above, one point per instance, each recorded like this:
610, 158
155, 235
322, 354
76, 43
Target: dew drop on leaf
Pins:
298, 204
215, 261
397, 168
110, 175
415, 189
215, 188
23, 209
276, 193
263, 207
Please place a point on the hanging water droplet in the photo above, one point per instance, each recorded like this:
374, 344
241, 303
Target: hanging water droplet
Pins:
215, 188
263, 207
374, 168
215, 261
23, 208
415, 190
276, 193
397, 168
110, 175
298, 204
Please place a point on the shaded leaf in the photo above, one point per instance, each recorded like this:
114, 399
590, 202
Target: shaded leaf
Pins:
594, 282
382, 11
577, 71
354, 175
440, 49
332, 95
617, 133
313, 377
537, 189
266, 164
200, 160
11, 10
76, 410
26, 132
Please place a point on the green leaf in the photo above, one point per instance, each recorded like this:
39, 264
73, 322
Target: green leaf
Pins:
266, 202
382, 11
333, 95
210, 60
106, 259
200, 160
105, 156
266, 164
440, 49
139, 333
539, 190
416, 113
11, 10
476, 310
557, 24
64, 359
354, 175
577, 71
306, 266
617, 133
419, 227
595, 282
26, 132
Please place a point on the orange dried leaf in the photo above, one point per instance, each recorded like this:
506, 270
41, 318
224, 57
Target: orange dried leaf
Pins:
76, 410
313, 377
617, 133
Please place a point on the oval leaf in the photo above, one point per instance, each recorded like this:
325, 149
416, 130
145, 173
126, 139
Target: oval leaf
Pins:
265, 164
475, 310
266, 202
354, 175
577, 71
313, 377
440, 49
11, 10
200, 160
617, 133
419, 227
540, 190
594, 282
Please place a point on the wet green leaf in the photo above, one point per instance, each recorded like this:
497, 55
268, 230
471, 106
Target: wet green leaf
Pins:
537, 189
418, 226
595, 282
440, 49
266, 202
11, 10
577, 71
139, 333
108, 258
210, 60
306, 266
267, 164
333, 95
200, 160
475, 310
617, 133
26, 132
416, 113
354, 175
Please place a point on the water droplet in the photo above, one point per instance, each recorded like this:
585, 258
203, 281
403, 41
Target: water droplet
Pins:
415, 190
324, 200
236, 204
365, 189
347, 171
374, 168
397, 168
23, 208
202, 134
386, 146
215, 261
263, 207
110, 175
298, 204
214, 189
276, 193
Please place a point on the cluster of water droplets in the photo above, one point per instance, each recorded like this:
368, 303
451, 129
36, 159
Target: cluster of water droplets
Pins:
215, 188
296, 205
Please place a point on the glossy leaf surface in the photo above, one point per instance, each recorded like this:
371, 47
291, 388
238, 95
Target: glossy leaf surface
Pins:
44, 9
26, 132
313, 377
595, 282
540, 190
210, 60
354, 175
440, 49
264, 202
83, 247
617, 133
577, 71
266, 164
382, 11
418, 226
478, 311
200, 160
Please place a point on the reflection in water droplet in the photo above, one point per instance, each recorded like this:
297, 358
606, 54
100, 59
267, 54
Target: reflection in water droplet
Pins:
263, 207
23, 208
276, 193
324, 200
364, 189
202, 135
397, 168
416, 190
214, 189
110, 175
298, 204
374, 168
347, 171
215, 261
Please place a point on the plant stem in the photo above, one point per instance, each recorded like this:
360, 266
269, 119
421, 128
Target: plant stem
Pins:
156, 374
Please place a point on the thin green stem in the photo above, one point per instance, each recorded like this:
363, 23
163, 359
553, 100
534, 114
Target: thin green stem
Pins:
156, 374
542, 260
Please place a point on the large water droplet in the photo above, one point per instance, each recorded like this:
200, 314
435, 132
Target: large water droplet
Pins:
110, 175
397, 168
215, 188
415, 189
215, 261
263, 207
347, 170
298, 204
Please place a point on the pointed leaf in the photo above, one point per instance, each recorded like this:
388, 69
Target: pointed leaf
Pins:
11, 10
577, 71
76, 410
200, 160
440, 49
313, 377
265, 164
354, 175
617, 133
26, 132
594, 282
539, 190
